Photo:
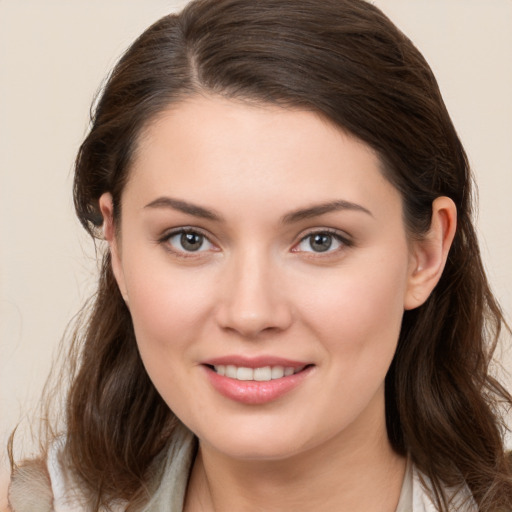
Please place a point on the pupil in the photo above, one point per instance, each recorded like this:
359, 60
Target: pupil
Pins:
191, 241
321, 242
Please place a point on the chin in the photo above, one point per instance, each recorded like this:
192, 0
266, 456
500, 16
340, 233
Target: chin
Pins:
260, 442
259, 451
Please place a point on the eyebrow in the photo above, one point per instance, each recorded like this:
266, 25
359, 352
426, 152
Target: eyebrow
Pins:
289, 218
185, 207
322, 209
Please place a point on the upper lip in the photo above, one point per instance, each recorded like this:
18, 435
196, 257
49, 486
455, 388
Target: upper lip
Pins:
254, 362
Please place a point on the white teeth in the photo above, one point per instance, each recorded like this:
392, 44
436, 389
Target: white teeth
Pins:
262, 374
231, 371
277, 372
244, 373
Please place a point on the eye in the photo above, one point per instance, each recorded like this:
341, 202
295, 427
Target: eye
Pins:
321, 241
188, 241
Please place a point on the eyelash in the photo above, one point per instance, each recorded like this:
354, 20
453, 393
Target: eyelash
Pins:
336, 235
165, 240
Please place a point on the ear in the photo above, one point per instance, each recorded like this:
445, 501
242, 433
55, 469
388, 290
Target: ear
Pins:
106, 204
429, 254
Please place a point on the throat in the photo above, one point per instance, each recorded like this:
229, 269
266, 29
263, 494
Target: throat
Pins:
274, 486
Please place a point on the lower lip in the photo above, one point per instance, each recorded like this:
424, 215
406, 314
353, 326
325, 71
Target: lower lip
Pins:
253, 392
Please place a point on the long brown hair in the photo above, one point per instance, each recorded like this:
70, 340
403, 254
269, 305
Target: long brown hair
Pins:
345, 60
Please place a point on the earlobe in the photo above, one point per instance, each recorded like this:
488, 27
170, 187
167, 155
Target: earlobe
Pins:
429, 254
106, 205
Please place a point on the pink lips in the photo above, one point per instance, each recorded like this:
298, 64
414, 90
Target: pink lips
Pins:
252, 392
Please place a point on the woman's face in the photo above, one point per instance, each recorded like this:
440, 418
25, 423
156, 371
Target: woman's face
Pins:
266, 267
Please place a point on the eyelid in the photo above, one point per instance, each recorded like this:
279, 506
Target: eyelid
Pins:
340, 236
164, 239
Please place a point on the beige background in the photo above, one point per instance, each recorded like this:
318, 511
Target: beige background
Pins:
53, 56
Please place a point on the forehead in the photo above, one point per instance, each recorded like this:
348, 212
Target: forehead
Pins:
217, 149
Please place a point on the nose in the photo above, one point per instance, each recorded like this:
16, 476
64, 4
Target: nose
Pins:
253, 300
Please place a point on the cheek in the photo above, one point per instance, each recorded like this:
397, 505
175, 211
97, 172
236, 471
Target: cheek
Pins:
359, 309
358, 323
168, 310
167, 307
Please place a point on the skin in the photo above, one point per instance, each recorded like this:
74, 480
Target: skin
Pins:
258, 287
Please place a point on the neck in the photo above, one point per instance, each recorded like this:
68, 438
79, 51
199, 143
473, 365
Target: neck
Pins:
355, 471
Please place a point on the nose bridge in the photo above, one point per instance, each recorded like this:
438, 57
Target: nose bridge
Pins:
253, 298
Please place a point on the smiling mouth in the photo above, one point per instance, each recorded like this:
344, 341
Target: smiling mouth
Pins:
262, 374
252, 382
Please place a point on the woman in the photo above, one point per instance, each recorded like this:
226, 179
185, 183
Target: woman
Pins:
292, 311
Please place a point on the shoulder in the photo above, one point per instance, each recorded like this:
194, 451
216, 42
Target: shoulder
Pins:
30, 489
46, 485
460, 499
51, 486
